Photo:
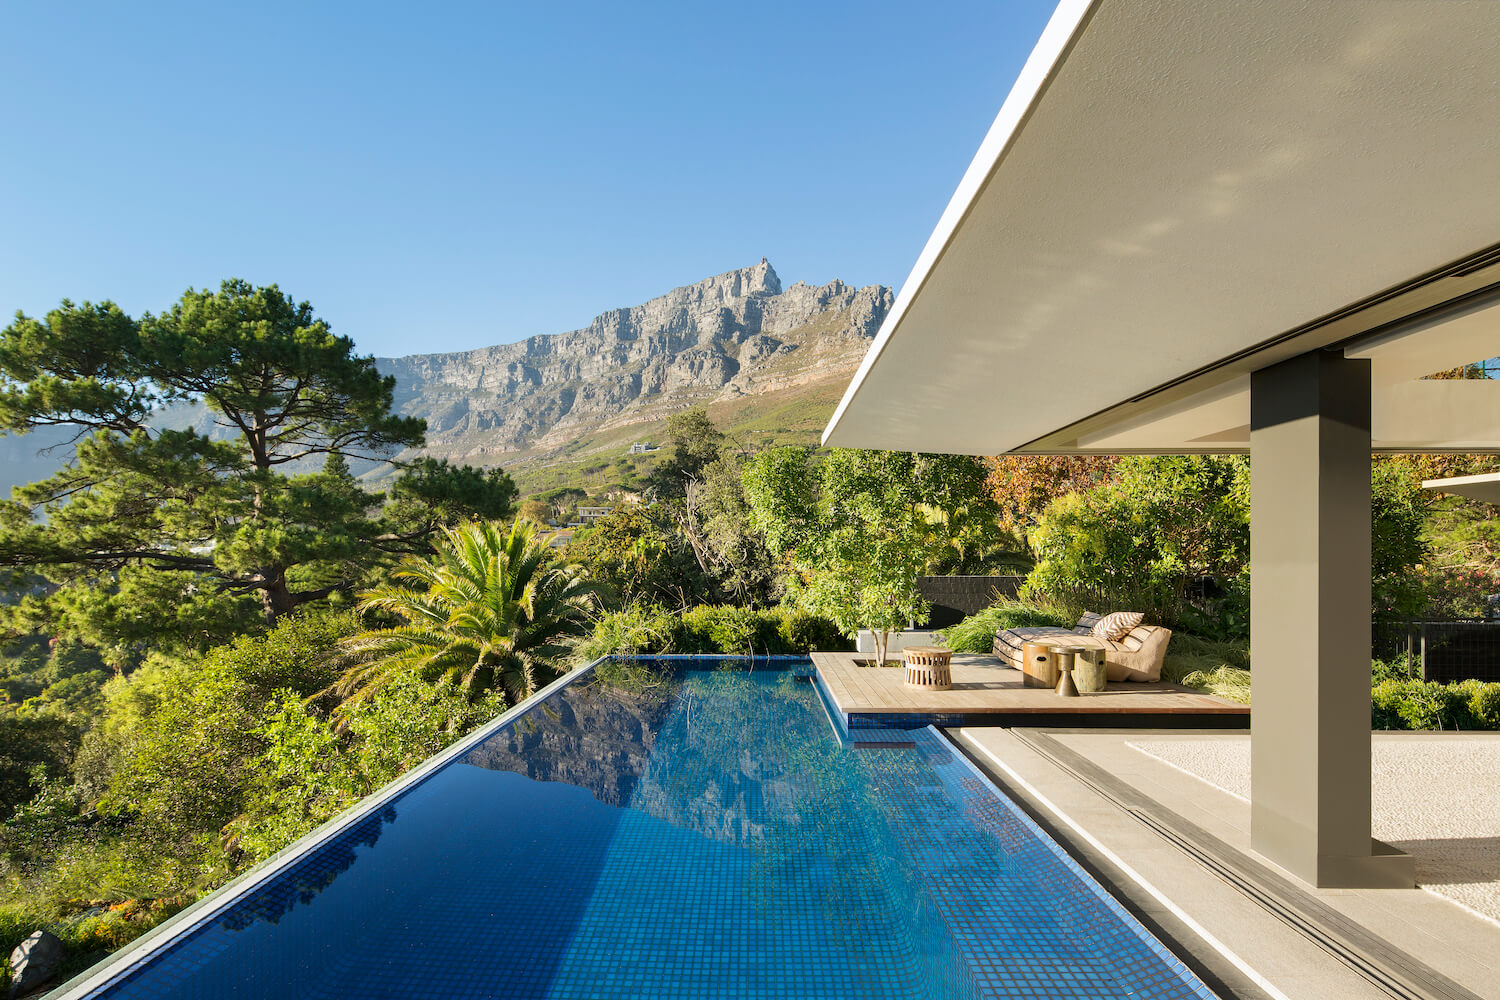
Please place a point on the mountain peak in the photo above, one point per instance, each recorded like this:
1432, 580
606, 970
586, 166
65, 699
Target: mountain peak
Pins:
742, 282
735, 334
763, 278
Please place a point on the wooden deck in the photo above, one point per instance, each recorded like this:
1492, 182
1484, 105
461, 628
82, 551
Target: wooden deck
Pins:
985, 686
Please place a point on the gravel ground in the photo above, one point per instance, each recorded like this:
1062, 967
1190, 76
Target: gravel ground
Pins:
1435, 796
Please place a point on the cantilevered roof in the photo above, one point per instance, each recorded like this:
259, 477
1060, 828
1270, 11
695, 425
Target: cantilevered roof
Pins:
1485, 486
1176, 193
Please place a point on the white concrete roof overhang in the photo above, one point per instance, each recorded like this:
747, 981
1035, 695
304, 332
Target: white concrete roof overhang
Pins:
1177, 193
1485, 486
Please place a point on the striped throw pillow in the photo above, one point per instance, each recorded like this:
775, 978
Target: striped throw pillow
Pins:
1117, 625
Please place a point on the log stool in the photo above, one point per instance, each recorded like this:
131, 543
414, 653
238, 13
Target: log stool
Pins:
1038, 665
929, 667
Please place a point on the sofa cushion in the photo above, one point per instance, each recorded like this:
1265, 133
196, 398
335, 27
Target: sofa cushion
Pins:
1012, 639
1136, 637
1117, 624
1086, 624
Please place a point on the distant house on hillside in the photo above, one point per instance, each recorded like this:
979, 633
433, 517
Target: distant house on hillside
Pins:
588, 515
560, 538
642, 447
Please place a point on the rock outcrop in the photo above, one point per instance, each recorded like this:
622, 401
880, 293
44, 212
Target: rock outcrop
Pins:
730, 335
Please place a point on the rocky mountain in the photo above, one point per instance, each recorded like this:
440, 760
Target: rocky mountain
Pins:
730, 336
737, 342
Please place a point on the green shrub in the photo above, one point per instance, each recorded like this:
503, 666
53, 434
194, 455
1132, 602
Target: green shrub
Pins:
1142, 542
708, 629
1413, 704
804, 632
627, 631
711, 628
976, 633
1484, 705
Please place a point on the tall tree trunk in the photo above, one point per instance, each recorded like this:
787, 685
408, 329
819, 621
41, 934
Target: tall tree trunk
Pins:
276, 598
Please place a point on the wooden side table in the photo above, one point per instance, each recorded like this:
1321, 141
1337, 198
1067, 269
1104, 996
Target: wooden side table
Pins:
929, 667
1038, 665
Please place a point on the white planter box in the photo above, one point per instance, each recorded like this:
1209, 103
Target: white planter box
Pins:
896, 641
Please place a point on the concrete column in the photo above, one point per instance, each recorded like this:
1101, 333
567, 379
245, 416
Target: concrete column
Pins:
1310, 623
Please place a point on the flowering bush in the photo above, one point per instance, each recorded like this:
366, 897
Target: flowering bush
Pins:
1454, 593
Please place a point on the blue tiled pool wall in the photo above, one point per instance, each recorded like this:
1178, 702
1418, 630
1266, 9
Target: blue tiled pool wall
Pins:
705, 837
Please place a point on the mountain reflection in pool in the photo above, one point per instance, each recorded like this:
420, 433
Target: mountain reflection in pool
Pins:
642, 833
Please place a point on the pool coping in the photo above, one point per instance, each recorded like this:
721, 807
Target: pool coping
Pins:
166, 934
1379, 962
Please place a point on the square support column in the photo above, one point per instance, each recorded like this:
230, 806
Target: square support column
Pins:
1310, 624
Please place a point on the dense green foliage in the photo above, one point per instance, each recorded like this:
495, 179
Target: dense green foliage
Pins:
709, 629
197, 768
1143, 540
635, 556
1412, 704
858, 528
1171, 536
154, 534
487, 611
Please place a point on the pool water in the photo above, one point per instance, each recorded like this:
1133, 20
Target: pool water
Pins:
678, 830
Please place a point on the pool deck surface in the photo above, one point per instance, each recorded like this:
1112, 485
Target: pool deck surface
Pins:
987, 690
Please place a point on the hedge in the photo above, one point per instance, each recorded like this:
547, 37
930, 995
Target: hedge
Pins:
709, 629
1413, 704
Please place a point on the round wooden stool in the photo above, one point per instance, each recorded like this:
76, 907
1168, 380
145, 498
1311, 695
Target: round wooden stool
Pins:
1038, 665
929, 667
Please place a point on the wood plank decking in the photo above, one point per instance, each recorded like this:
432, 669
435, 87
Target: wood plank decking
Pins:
984, 686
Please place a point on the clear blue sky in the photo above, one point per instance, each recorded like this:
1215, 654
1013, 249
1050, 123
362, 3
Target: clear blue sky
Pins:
448, 175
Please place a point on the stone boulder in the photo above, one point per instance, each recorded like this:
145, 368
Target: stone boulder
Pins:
34, 963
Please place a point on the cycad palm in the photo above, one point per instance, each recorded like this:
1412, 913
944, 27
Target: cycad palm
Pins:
488, 610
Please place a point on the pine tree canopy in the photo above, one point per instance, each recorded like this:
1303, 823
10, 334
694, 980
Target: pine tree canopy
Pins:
211, 479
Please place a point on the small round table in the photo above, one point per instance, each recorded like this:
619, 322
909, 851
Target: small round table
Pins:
929, 667
1038, 665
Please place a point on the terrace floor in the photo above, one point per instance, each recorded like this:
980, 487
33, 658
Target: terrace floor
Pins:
986, 691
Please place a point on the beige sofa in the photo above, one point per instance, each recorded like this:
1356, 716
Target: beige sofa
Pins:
1137, 657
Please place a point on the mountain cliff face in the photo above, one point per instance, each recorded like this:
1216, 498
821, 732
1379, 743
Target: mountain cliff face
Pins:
728, 336
735, 337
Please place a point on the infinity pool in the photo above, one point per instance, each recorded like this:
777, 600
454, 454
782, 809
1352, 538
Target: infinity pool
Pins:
674, 830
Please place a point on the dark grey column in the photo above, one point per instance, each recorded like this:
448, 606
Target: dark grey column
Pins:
1310, 623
